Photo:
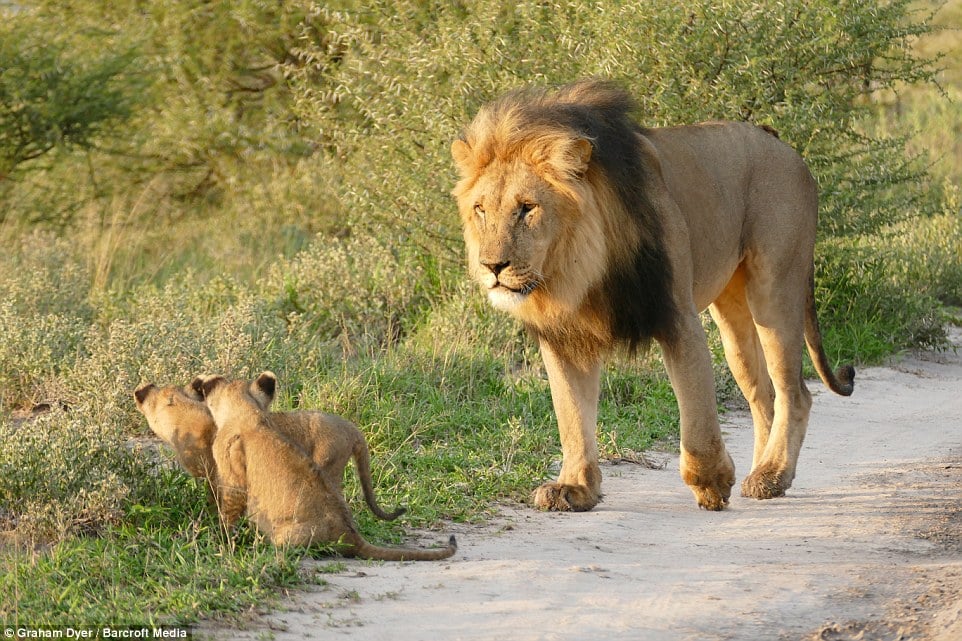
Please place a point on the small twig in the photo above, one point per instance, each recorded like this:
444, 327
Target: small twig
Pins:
639, 459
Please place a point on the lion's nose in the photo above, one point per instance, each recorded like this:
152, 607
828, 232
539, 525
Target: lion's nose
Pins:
496, 268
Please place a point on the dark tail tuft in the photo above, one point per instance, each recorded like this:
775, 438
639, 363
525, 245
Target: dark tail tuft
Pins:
846, 378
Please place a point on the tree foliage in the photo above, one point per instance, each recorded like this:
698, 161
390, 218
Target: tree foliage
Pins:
180, 97
407, 75
55, 93
373, 92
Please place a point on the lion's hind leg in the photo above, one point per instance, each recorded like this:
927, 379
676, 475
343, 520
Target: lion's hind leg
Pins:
780, 325
774, 472
746, 360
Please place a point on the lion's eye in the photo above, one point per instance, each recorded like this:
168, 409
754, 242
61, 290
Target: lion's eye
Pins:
525, 209
479, 212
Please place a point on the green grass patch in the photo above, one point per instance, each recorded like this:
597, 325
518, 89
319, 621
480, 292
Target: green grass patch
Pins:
157, 568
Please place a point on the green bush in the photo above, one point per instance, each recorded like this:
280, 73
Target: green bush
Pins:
65, 473
925, 255
359, 289
408, 77
44, 316
866, 312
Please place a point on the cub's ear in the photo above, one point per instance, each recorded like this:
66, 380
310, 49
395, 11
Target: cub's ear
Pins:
209, 384
142, 392
263, 389
195, 389
463, 156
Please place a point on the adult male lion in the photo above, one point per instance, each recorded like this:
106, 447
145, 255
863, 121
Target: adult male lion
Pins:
597, 233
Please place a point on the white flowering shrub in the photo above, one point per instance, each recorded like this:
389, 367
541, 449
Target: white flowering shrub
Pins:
361, 291
62, 473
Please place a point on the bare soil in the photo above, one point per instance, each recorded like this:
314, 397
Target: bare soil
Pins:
867, 545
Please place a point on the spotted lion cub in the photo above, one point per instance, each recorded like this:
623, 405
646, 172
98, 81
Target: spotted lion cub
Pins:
263, 472
181, 419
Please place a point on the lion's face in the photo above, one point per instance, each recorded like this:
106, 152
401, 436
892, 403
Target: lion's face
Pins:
511, 222
523, 225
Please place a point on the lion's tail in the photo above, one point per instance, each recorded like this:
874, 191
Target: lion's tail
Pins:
362, 463
842, 380
367, 550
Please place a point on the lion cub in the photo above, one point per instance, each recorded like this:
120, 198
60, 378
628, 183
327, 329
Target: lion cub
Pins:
263, 472
180, 417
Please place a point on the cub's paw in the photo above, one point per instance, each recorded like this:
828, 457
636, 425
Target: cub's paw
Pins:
558, 497
765, 482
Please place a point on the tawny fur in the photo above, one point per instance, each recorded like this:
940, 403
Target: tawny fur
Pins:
264, 473
597, 234
182, 420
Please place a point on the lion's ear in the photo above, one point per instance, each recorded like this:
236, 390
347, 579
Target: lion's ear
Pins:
463, 156
263, 389
142, 392
563, 156
580, 154
208, 385
196, 388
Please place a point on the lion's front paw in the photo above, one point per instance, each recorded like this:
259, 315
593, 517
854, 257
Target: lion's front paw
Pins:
711, 484
765, 482
712, 498
558, 497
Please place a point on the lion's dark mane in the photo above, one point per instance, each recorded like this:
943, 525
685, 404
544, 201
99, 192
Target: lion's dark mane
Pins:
635, 295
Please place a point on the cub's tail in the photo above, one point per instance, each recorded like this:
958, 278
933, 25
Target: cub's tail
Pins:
366, 550
362, 463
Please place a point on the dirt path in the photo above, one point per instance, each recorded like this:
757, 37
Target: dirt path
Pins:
868, 545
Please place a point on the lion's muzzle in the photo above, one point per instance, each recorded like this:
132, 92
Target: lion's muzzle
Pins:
503, 293
495, 267
504, 298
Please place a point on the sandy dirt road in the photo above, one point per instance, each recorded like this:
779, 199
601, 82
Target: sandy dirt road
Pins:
867, 545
